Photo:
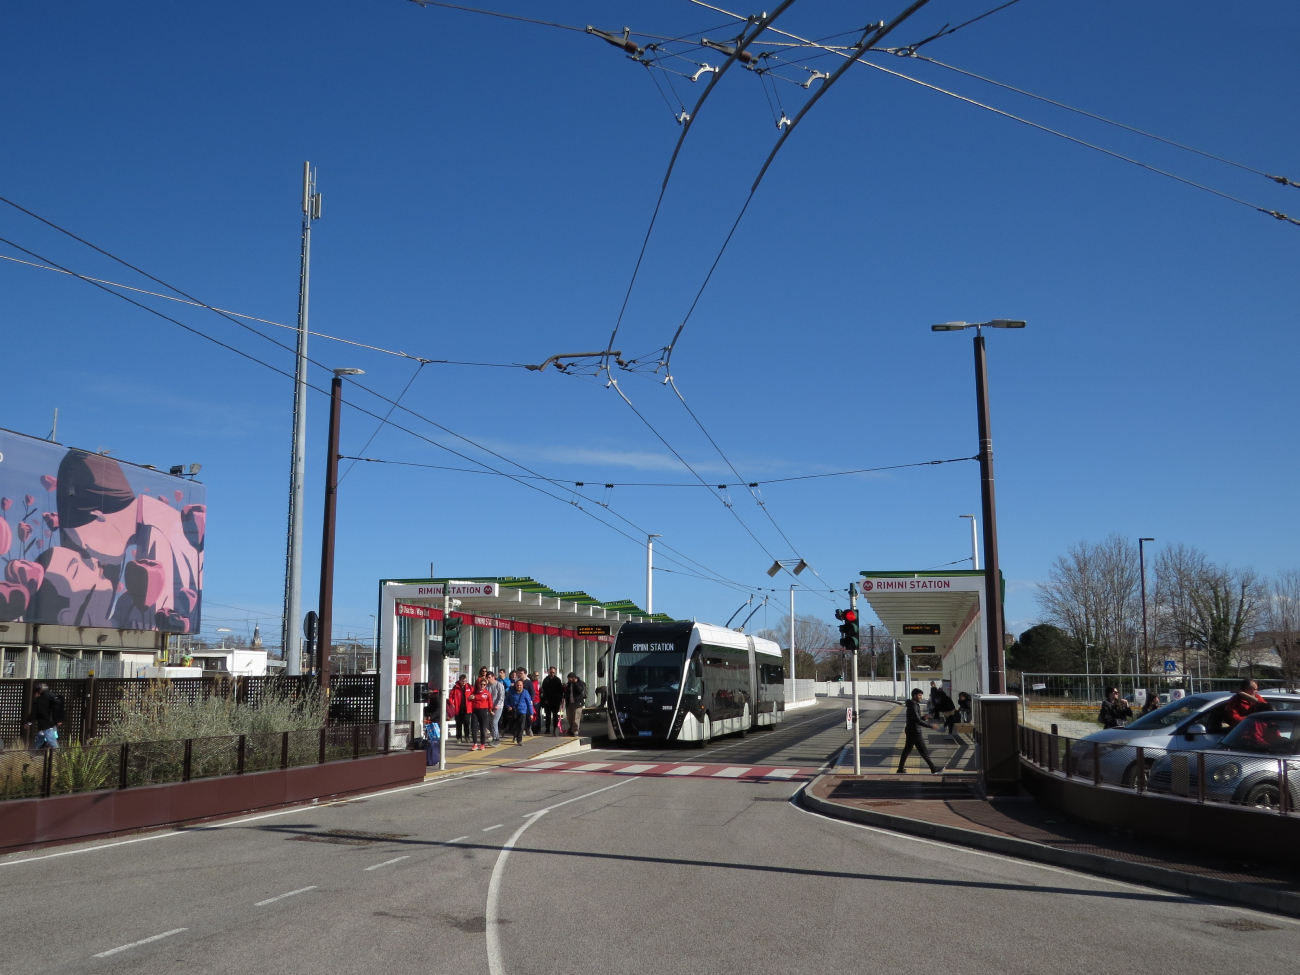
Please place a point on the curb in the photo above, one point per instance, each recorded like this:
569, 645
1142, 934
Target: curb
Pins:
1278, 902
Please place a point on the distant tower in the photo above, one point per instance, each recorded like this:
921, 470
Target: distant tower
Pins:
257, 637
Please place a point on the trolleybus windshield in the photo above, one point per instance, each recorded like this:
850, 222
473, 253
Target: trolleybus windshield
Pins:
647, 673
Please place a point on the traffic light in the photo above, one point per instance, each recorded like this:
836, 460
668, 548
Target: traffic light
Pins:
848, 628
420, 693
451, 636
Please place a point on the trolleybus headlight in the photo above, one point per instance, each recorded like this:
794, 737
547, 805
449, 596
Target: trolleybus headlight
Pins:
1226, 773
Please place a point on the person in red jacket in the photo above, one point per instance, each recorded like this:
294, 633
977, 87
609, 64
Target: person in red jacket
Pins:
460, 705
481, 699
1245, 702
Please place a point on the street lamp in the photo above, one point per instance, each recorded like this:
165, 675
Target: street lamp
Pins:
799, 566
650, 573
974, 541
1142, 563
992, 573
326, 611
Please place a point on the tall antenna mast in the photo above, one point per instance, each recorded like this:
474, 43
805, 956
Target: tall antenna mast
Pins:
290, 645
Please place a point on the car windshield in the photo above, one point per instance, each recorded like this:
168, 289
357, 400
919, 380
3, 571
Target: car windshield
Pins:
1274, 733
1171, 714
647, 673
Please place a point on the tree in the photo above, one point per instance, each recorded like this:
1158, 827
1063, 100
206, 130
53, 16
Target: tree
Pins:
1093, 593
1282, 617
811, 637
1225, 608
1045, 649
1180, 571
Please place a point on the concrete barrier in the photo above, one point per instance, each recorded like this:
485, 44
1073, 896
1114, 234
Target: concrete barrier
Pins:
29, 823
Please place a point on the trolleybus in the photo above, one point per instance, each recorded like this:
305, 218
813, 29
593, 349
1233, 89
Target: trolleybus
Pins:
690, 682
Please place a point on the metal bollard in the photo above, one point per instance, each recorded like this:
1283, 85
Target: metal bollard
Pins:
322, 746
243, 751
1096, 763
187, 764
1200, 776
284, 751
356, 741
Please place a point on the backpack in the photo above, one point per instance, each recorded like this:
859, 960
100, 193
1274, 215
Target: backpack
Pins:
57, 710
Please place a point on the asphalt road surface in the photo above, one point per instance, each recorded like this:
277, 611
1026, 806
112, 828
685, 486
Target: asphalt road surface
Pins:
520, 872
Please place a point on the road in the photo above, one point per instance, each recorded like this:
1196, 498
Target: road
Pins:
516, 872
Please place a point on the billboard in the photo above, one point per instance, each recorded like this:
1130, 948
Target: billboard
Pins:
87, 540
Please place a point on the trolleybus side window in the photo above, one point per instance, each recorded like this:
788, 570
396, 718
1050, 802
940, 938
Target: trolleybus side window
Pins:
726, 672
694, 680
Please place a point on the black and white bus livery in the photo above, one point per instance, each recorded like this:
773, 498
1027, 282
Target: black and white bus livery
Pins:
691, 682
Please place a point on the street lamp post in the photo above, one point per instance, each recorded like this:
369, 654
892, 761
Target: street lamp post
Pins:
799, 566
1142, 564
326, 611
974, 541
992, 573
649, 574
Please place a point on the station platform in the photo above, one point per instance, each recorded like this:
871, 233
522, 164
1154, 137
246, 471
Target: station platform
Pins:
882, 747
461, 760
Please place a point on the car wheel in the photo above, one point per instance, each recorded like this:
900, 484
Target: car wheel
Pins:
1265, 795
1129, 778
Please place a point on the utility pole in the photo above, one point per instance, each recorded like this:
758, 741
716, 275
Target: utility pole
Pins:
442, 694
298, 458
794, 694
894, 669
326, 608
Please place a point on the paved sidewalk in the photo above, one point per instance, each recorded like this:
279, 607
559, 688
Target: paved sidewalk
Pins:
882, 747
946, 808
461, 760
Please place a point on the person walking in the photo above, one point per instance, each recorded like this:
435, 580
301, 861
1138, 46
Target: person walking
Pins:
575, 696
1115, 711
498, 689
536, 681
482, 700
460, 705
912, 734
47, 714
519, 709
552, 698
531, 688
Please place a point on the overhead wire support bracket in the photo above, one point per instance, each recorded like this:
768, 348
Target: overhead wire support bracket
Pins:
625, 42
561, 366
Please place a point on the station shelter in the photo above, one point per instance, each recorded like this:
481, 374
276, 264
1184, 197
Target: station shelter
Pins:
936, 613
506, 622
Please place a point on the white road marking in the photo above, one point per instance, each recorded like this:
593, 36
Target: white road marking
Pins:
542, 765
389, 863
142, 941
495, 964
190, 831
488, 829
590, 767
733, 772
958, 848
280, 897
684, 770
635, 769
780, 773
457, 840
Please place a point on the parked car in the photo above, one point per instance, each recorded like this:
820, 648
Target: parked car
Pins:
1165, 729
1245, 767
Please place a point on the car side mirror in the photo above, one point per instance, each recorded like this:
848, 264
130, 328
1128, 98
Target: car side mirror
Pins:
1193, 731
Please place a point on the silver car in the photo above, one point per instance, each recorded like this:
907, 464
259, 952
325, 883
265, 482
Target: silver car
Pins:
1245, 767
1198, 721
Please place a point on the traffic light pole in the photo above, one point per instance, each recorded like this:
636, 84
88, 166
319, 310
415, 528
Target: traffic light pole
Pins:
857, 722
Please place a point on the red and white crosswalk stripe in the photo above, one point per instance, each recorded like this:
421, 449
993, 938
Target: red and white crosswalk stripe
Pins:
734, 772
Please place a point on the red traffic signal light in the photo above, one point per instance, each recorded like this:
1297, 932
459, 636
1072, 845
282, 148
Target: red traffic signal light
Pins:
847, 615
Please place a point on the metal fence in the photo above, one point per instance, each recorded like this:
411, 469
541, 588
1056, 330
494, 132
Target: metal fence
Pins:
92, 704
1269, 782
88, 768
1071, 699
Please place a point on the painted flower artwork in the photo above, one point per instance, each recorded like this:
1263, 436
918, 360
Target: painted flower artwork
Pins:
87, 540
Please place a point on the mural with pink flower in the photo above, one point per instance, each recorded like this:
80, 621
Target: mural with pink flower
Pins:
97, 542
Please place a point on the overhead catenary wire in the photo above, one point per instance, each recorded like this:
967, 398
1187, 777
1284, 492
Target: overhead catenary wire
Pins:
1276, 214
718, 577
661, 484
264, 321
911, 52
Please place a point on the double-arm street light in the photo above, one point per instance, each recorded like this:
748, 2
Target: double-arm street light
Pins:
323, 639
798, 566
992, 573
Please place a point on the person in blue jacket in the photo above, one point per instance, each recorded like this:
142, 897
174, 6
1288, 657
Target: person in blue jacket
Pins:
519, 709
432, 740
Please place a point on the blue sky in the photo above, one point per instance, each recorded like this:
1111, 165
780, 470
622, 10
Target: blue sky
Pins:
486, 187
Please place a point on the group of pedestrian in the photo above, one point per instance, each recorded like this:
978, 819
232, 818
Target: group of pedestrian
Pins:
529, 703
946, 710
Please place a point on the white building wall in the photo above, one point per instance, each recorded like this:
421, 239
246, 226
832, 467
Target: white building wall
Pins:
963, 667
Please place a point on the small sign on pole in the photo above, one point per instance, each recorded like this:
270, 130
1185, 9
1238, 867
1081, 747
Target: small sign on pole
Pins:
1171, 666
848, 719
